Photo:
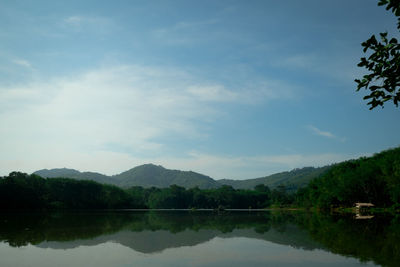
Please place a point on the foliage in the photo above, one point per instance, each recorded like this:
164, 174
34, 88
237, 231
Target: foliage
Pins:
150, 175
383, 64
147, 175
225, 196
293, 180
23, 191
375, 179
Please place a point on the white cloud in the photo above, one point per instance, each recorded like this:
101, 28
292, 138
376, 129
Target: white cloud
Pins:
74, 20
342, 69
213, 93
92, 24
319, 132
126, 107
327, 134
302, 61
22, 62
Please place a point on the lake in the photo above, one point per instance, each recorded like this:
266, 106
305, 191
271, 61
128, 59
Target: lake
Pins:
197, 238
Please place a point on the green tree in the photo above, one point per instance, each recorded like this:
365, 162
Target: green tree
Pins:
262, 188
383, 64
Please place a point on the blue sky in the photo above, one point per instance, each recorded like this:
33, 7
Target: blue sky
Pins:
231, 89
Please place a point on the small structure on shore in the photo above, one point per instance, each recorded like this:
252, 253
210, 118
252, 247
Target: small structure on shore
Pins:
360, 205
358, 216
361, 208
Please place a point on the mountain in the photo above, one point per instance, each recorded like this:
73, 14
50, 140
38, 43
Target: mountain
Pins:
293, 179
60, 172
149, 175
74, 174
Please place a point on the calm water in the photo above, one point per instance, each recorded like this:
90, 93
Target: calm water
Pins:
183, 238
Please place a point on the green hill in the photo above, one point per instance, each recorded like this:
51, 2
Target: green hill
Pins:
373, 179
77, 175
149, 175
293, 180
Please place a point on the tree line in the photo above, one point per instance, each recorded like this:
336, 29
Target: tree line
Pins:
373, 179
22, 191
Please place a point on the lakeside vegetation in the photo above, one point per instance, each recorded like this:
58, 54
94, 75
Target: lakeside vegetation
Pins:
374, 179
23, 191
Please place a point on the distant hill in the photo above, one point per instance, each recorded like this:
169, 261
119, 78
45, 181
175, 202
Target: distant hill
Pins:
149, 175
74, 174
293, 179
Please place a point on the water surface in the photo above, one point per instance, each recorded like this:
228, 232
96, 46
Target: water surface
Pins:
183, 238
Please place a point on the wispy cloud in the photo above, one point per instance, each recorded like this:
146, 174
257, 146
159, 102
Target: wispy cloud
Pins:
327, 134
125, 107
183, 26
125, 104
74, 20
23, 63
213, 93
319, 132
302, 61
185, 32
80, 23
15, 70
341, 69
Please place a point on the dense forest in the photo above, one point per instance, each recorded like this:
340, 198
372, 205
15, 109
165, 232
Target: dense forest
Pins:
23, 191
374, 179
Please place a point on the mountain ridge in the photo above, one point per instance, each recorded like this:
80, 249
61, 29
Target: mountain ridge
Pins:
146, 175
151, 175
296, 178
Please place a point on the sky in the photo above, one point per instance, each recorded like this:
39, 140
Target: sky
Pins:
231, 89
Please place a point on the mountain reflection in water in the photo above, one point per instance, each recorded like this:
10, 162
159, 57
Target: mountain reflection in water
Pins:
153, 232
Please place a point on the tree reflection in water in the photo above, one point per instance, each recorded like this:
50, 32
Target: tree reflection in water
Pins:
152, 232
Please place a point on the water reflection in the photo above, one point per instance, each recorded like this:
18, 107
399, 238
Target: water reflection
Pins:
154, 232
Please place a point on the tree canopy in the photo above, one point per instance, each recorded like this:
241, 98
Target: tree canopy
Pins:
383, 64
374, 179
